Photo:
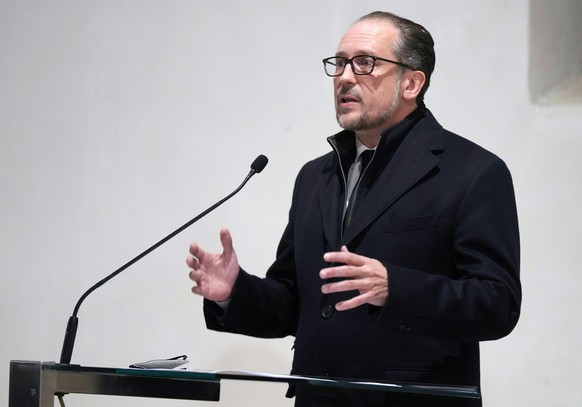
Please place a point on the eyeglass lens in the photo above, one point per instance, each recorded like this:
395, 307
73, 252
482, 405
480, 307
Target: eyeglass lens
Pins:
362, 65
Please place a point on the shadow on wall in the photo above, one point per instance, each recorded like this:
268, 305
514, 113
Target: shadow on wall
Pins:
555, 52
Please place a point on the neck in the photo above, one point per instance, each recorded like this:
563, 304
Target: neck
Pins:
368, 138
371, 137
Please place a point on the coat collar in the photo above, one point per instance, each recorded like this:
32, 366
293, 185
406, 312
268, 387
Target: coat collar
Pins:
405, 154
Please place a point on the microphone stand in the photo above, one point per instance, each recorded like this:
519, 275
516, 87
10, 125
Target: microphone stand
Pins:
71, 331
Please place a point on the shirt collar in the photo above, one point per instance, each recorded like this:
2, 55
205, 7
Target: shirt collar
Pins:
361, 147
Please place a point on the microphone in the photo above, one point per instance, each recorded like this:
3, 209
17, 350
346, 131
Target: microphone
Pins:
71, 332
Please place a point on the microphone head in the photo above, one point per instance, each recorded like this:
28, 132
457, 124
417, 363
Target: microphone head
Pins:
259, 164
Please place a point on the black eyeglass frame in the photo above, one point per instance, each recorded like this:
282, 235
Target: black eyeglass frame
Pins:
349, 61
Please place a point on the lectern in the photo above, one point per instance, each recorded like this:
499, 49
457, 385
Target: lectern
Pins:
35, 384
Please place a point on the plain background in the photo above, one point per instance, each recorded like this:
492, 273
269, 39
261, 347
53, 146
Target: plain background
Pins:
120, 120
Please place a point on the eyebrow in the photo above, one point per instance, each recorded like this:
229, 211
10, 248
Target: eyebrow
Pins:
359, 52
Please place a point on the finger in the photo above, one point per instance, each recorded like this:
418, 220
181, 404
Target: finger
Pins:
192, 262
344, 256
341, 286
351, 303
195, 250
194, 276
339, 271
197, 290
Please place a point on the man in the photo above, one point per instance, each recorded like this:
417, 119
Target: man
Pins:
396, 276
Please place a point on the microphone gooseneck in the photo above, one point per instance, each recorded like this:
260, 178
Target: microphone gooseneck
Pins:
71, 332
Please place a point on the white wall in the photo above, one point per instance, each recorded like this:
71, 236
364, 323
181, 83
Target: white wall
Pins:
121, 120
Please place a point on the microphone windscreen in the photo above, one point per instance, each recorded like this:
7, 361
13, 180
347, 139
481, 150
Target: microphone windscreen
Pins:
260, 163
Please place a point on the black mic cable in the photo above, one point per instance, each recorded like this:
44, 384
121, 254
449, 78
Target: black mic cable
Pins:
69, 342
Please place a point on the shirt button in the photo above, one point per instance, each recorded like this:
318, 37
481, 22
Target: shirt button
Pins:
405, 328
327, 311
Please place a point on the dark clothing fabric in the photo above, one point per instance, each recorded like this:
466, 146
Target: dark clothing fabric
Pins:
439, 212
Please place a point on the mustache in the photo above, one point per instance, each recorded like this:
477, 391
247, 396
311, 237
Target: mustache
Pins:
349, 91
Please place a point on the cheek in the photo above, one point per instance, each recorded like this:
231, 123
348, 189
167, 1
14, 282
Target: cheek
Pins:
382, 98
335, 91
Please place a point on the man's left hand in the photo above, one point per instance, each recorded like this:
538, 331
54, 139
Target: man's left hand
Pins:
361, 273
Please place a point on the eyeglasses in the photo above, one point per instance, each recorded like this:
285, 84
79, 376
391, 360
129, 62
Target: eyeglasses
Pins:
361, 64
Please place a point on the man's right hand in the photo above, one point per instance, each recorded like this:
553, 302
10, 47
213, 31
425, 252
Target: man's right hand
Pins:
214, 274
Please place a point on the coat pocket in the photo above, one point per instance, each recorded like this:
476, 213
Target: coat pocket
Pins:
411, 224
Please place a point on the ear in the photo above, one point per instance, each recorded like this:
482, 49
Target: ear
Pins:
413, 84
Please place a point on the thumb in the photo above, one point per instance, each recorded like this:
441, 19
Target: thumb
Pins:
226, 241
344, 249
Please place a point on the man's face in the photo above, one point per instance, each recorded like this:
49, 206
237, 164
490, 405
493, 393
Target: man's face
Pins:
368, 102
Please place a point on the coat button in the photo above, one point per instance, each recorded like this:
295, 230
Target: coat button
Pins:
327, 311
405, 328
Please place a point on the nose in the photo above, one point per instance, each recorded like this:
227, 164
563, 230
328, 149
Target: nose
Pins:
347, 75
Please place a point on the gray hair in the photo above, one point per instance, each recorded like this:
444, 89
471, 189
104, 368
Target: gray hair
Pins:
414, 46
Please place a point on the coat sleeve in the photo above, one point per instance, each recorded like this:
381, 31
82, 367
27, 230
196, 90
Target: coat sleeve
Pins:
263, 307
483, 302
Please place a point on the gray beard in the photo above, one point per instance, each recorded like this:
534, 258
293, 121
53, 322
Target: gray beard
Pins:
367, 122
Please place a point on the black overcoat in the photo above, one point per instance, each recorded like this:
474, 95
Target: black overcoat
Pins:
439, 212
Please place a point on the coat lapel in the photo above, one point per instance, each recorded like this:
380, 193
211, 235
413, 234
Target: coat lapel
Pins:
412, 161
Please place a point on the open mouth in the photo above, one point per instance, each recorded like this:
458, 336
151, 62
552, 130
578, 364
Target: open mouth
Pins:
346, 99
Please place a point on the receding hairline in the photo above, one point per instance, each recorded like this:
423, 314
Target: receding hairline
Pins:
386, 18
